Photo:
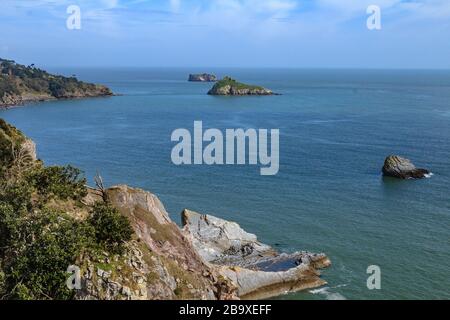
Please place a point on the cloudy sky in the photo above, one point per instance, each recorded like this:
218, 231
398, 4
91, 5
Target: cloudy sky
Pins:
239, 33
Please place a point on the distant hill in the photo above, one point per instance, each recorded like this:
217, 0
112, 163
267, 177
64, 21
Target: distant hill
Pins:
20, 84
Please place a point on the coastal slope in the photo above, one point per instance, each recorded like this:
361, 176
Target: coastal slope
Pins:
20, 84
121, 242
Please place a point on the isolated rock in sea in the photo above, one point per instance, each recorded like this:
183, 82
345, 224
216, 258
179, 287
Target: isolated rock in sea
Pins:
230, 87
402, 168
203, 77
257, 270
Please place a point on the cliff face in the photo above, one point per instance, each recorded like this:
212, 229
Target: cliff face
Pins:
20, 84
210, 258
230, 87
160, 262
47, 214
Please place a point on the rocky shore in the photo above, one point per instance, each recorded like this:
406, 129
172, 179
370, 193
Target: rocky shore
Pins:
256, 269
20, 84
208, 259
230, 87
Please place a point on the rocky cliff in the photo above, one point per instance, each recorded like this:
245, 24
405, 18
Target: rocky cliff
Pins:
230, 87
257, 270
124, 243
160, 262
20, 84
210, 258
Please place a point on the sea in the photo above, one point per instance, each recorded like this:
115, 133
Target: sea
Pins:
336, 128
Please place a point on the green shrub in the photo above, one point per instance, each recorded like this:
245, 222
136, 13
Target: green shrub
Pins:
9, 137
62, 182
8, 226
111, 228
44, 245
17, 195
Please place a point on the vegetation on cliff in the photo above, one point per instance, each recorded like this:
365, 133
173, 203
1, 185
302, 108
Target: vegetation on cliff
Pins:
121, 239
121, 242
19, 84
39, 239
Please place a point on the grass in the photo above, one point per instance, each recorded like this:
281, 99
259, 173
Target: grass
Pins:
227, 81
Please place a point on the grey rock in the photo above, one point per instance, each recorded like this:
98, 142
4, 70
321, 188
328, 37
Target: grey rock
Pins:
402, 168
257, 270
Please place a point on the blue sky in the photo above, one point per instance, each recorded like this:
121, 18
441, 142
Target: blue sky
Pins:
229, 33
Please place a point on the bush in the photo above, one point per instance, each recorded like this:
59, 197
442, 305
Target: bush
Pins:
17, 195
44, 245
9, 137
62, 182
8, 226
111, 228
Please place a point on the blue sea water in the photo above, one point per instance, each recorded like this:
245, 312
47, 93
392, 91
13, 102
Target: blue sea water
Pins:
336, 128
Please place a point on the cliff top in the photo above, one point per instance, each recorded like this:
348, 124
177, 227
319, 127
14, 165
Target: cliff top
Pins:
228, 81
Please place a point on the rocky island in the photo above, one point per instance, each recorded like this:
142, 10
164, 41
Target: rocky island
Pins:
121, 242
20, 84
203, 77
401, 168
230, 87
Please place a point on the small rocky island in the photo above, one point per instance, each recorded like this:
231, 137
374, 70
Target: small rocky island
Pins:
230, 87
203, 77
20, 84
402, 168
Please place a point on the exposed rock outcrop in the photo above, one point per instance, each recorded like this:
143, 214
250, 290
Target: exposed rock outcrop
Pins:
255, 268
402, 168
160, 263
230, 87
204, 77
209, 259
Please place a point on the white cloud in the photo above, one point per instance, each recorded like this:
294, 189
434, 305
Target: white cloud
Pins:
175, 5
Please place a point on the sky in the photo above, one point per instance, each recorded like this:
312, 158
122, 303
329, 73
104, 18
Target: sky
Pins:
227, 33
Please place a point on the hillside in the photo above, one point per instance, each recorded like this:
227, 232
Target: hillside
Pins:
20, 84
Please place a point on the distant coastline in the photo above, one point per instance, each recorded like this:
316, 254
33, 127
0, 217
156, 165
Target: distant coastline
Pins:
21, 84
